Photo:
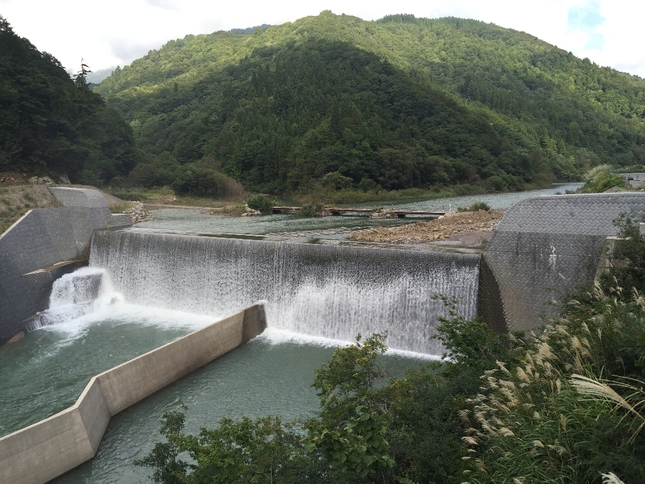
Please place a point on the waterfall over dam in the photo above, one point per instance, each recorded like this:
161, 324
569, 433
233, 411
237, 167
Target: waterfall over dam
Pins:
319, 290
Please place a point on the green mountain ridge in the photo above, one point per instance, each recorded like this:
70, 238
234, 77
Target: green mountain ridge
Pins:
223, 96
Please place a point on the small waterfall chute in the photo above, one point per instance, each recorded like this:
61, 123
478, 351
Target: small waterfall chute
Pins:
76, 294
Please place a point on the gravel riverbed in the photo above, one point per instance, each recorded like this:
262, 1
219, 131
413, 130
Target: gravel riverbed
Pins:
468, 228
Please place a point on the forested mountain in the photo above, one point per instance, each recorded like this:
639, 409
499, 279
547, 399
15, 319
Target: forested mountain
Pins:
52, 124
400, 102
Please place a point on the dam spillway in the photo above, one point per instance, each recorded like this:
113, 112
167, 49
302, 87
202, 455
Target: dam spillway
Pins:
334, 292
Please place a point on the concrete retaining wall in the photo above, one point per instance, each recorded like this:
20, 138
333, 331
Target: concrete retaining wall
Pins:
51, 447
42, 246
542, 249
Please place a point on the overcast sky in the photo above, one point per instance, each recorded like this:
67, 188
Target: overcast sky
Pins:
107, 34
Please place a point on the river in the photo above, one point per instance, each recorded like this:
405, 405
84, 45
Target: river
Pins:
270, 375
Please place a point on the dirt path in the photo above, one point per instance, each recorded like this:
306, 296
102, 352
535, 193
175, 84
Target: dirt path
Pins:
468, 228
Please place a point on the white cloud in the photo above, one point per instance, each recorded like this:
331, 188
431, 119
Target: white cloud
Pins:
107, 34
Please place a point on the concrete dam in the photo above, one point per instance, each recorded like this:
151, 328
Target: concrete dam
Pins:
320, 290
543, 248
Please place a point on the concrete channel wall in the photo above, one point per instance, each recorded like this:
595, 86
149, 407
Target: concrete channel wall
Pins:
42, 246
51, 447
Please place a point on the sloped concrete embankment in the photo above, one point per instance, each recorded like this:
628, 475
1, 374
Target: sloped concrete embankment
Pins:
42, 246
51, 447
542, 249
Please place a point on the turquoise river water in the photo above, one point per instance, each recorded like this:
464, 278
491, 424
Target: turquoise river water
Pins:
324, 228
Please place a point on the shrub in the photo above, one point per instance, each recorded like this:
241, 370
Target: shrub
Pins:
628, 270
475, 207
311, 209
336, 181
261, 203
367, 184
600, 179
261, 450
155, 172
202, 180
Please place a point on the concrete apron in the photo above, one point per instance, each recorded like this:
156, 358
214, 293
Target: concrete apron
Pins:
58, 444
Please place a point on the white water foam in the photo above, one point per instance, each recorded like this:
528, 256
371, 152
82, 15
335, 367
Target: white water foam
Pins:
87, 296
276, 336
74, 295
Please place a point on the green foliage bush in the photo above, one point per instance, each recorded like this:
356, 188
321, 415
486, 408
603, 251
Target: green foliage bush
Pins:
261, 203
367, 184
336, 181
200, 179
311, 209
352, 424
264, 450
158, 171
600, 179
475, 207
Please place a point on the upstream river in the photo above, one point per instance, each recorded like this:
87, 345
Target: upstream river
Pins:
324, 228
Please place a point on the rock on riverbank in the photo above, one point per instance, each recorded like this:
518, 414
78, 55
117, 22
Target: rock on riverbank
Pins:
137, 212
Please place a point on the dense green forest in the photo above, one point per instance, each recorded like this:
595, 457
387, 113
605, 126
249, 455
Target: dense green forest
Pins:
328, 101
50, 123
397, 103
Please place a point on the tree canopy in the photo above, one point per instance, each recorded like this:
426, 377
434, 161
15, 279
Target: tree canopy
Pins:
51, 123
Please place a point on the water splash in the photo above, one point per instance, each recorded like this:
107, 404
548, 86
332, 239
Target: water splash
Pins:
318, 290
77, 294
276, 336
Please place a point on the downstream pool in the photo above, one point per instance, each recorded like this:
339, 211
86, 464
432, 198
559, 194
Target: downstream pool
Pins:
46, 373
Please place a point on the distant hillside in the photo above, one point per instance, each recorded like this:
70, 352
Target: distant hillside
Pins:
95, 77
52, 124
400, 102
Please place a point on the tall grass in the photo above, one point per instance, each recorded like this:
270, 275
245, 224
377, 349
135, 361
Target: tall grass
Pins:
573, 407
